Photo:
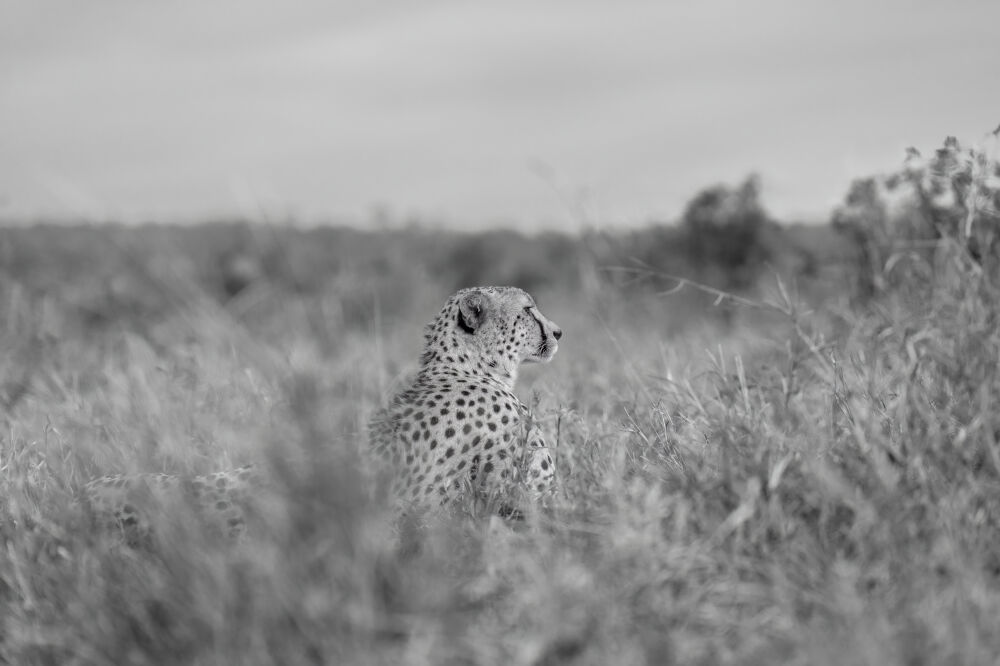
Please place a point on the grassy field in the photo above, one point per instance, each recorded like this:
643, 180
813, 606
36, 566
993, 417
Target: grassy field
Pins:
794, 478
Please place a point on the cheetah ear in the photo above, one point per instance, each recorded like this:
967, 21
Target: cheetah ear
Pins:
472, 310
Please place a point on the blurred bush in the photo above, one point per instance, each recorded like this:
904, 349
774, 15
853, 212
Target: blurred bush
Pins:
508, 257
725, 231
903, 225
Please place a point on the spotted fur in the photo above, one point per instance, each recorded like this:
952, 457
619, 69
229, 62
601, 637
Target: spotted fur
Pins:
458, 425
123, 502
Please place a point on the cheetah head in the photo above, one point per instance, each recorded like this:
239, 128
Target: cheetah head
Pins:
498, 327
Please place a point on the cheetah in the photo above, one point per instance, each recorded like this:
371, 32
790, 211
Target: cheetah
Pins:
458, 425
120, 502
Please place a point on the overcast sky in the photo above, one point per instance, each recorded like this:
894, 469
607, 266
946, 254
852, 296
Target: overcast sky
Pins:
472, 113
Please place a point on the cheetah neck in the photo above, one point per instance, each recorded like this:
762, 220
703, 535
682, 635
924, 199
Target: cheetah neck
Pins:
476, 367
445, 351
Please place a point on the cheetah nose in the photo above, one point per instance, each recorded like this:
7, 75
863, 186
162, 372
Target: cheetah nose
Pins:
557, 333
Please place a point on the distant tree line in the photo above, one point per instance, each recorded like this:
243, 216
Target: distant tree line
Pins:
725, 238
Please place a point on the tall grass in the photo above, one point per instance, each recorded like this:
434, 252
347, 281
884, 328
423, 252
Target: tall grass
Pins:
814, 483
